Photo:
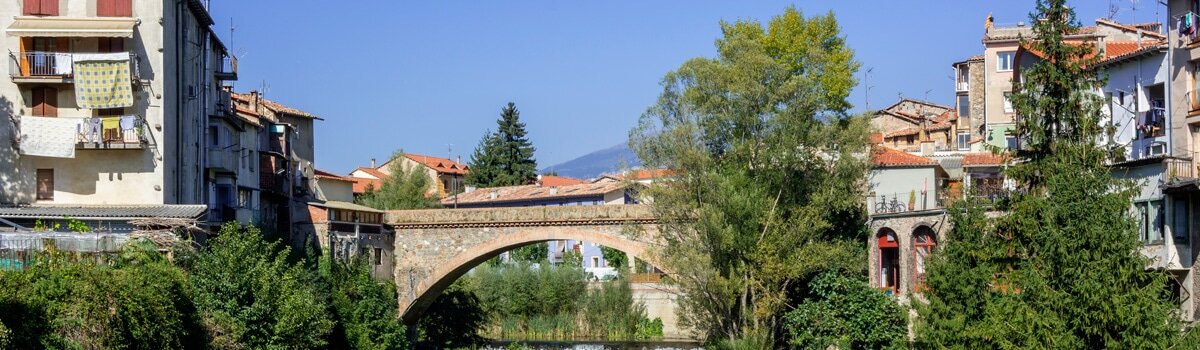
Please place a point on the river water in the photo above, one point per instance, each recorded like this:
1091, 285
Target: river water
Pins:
599, 345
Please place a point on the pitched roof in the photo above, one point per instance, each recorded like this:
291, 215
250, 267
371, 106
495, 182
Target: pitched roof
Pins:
274, 106
508, 194
1150, 29
441, 165
362, 184
984, 159
884, 157
903, 132
321, 174
373, 172
108, 212
551, 180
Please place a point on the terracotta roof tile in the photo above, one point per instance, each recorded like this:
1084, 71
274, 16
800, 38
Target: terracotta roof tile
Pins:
373, 172
890, 157
551, 180
984, 159
321, 174
532, 192
903, 132
274, 106
441, 165
361, 185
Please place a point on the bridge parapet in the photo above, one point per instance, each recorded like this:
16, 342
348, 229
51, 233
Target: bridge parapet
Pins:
521, 216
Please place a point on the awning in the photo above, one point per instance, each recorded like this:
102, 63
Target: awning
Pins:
72, 27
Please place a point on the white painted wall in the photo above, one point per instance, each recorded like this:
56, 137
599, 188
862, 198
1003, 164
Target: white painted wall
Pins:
899, 181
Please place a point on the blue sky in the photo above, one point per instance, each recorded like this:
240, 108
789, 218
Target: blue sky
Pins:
429, 75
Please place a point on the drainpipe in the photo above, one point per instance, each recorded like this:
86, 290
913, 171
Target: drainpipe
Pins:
1169, 114
179, 109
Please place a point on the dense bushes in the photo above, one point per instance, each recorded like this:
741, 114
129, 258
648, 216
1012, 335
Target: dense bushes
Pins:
67, 301
845, 313
239, 292
532, 302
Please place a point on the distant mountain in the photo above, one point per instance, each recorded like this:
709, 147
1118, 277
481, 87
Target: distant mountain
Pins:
594, 164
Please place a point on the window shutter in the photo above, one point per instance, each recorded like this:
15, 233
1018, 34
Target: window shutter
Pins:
63, 45
45, 102
114, 8
48, 8
45, 184
26, 45
32, 7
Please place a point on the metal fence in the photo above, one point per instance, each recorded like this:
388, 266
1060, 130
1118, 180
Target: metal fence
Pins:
21, 250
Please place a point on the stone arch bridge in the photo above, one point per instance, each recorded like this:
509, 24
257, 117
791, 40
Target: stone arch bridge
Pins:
435, 247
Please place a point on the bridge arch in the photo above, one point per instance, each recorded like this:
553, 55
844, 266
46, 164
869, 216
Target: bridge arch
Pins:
433, 248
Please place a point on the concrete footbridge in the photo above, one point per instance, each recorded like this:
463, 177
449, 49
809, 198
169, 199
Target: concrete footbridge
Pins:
435, 247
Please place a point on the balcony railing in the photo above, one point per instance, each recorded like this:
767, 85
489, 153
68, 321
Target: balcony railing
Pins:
899, 202
52, 65
1180, 170
127, 132
229, 69
963, 86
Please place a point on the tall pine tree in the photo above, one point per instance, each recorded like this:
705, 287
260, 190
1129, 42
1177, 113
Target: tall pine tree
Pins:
1061, 268
504, 158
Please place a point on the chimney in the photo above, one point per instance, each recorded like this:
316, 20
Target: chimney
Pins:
539, 181
458, 159
553, 190
372, 163
493, 195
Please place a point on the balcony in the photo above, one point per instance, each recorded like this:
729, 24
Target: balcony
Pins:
51, 67
111, 133
226, 159
224, 103
893, 203
1179, 171
228, 70
1193, 98
963, 86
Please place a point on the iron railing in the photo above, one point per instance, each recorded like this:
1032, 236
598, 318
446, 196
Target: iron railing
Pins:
898, 202
53, 64
104, 132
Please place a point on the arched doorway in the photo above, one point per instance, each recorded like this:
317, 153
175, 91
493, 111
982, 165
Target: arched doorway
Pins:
889, 260
924, 241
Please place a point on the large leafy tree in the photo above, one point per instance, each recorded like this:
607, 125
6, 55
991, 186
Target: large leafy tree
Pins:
406, 188
769, 172
504, 158
1061, 270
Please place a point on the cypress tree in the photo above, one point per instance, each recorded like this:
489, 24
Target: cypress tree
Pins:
1060, 269
504, 158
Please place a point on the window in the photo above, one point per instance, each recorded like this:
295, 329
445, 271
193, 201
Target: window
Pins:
964, 107
1179, 219
378, 256
111, 45
1004, 61
1008, 107
909, 139
889, 260
41, 8
45, 184
214, 136
963, 77
964, 141
595, 261
45, 102
1150, 221
114, 8
923, 244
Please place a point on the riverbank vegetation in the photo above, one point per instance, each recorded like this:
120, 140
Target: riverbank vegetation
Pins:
240, 291
537, 302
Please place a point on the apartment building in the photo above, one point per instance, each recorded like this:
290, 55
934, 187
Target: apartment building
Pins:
968, 103
106, 103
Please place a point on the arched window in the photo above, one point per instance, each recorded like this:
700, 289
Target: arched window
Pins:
889, 260
924, 241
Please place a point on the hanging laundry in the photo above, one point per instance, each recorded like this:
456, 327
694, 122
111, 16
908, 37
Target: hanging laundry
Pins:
103, 81
63, 63
48, 137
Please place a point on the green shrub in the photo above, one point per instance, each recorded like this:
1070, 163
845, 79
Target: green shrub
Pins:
845, 313
250, 295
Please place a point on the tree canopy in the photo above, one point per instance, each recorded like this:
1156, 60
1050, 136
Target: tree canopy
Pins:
1061, 269
505, 157
405, 188
765, 120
